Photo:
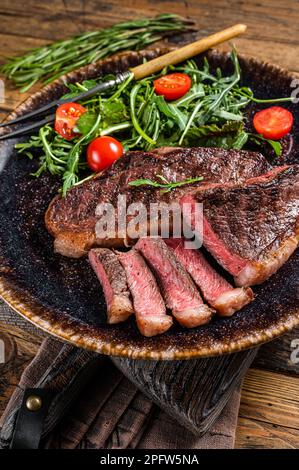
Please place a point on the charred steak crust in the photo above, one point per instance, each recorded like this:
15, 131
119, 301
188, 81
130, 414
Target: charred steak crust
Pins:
252, 229
74, 214
114, 283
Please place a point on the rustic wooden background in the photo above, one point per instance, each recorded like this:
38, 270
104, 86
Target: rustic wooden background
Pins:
269, 413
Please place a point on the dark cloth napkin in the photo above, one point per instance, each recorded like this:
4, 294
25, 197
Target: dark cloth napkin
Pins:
95, 406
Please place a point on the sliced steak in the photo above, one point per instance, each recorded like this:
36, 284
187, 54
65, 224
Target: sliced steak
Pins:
113, 280
252, 229
214, 288
179, 292
72, 219
148, 303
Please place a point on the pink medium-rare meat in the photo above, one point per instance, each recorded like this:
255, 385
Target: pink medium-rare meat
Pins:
149, 306
251, 229
178, 289
113, 280
219, 293
72, 219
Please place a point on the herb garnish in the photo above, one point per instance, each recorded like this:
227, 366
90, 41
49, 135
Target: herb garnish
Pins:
165, 185
50, 62
259, 140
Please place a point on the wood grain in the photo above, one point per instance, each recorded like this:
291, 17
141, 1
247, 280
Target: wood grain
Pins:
269, 411
20, 348
281, 355
252, 434
269, 407
187, 52
270, 21
275, 398
208, 385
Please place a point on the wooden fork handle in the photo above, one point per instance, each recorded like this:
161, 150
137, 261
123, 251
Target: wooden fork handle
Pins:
186, 52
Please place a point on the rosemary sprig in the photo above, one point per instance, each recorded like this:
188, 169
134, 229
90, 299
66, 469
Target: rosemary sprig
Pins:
165, 185
50, 62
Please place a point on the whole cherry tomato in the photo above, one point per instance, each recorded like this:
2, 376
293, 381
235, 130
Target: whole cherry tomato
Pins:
102, 152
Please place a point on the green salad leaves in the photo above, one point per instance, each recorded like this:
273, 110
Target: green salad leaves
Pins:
211, 114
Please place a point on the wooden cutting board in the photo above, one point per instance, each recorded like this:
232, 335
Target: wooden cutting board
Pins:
194, 392
269, 412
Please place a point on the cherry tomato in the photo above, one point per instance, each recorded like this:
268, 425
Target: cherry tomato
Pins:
102, 152
173, 86
67, 115
274, 122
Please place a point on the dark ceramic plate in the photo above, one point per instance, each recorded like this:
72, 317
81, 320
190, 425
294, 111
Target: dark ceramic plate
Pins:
63, 297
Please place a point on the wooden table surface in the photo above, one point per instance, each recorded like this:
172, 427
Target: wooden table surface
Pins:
269, 412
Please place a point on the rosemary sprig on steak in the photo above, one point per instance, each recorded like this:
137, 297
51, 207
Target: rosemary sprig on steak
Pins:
165, 185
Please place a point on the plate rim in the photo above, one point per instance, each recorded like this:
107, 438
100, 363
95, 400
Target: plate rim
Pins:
28, 307
90, 341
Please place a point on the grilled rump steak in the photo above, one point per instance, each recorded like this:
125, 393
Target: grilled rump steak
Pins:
113, 280
179, 292
214, 288
148, 303
71, 220
252, 229
250, 226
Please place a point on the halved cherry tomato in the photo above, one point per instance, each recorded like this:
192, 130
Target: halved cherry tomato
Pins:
67, 115
102, 152
173, 86
274, 122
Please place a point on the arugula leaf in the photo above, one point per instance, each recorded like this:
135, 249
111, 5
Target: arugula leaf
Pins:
259, 140
228, 116
277, 147
239, 141
86, 122
216, 129
230, 135
74, 91
172, 112
197, 91
88, 84
114, 112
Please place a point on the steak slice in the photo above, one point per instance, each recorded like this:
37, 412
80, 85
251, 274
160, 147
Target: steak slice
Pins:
219, 293
72, 219
178, 290
113, 280
148, 303
252, 229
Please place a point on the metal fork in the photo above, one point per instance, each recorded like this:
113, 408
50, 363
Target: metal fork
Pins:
37, 113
